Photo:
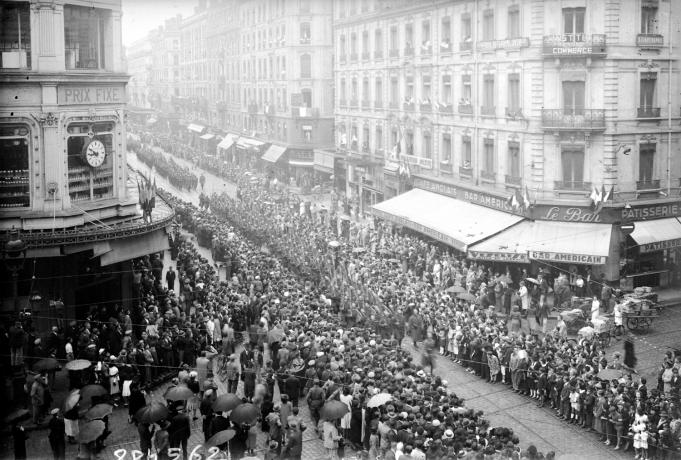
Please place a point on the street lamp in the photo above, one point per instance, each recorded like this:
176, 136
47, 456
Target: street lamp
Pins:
14, 255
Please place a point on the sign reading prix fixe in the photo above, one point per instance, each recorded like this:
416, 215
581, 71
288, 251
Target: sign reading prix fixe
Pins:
565, 258
91, 94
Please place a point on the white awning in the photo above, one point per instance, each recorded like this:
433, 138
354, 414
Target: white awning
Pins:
273, 153
196, 128
454, 222
130, 248
301, 163
561, 242
207, 137
247, 142
656, 235
227, 142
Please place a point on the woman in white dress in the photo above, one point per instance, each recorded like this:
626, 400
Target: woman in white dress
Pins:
346, 398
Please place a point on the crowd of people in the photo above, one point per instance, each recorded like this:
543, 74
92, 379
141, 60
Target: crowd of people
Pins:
179, 176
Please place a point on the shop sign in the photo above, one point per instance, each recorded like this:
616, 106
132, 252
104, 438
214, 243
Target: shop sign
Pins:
568, 214
657, 211
660, 245
563, 257
472, 196
75, 95
509, 43
419, 228
520, 257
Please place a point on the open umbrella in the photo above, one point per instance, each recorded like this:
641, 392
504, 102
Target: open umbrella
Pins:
609, 374
334, 244
46, 364
152, 413
359, 250
91, 391
78, 364
91, 431
179, 393
221, 437
71, 400
456, 289
465, 296
246, 413
379, 399
226, 402
99, 411
333, 410
532, 280
17, 415
275, 335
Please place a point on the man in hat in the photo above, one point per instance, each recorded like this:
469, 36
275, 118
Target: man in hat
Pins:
38, 391
315, 401
179, 430
57, 435
294, 442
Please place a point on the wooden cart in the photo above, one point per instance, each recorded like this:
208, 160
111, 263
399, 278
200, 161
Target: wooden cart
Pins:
641, 319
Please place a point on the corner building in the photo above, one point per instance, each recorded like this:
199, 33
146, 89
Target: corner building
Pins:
64, 181
546, 100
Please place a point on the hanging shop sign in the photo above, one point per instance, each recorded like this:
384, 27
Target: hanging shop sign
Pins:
464, 194
656, 211
660, 245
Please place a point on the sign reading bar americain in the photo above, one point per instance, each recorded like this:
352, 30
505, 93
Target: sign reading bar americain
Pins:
472, 196
91, 94
562, 257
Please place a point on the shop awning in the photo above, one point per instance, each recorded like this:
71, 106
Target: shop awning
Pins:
247, 143
656, 235
129, 248
557, 242
454, 222
227, 142
207, 137
273, 153
307, 164
196, 128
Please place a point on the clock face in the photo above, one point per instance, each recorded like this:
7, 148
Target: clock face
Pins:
95, 153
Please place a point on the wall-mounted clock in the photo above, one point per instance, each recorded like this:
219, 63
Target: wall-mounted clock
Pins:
94, 153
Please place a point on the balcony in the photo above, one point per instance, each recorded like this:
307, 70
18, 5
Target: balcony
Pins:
378, 104
465, 171
304, 112
353, 57
343, 103
487, 111
466, 45
426, 49
366, 56
574, 45
650, 41
408, 106
408, 50
394, 53
514, 114
579, 186
648, 112
366, 104
488, 176
512, 180
507, 44
13, 57
378, 54
426, 107
446, 46
648, 184
445, 108
305, 40
466, 109
573, 119
354, 103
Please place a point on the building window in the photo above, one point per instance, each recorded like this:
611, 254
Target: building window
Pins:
365, 139
513, 22
15, 35
488, 94
466, 28
87, 182
307, 97
395, 139
572, 159
341, 9
353, 140
87, 37
365, 43
378, 91
409, 36
513, 92
409, 90
394, 39
409, 139
488, 156
648, 19
15, 187
353, 94
365, 89
378, 141
488, 25
342, 50
305, 66
378, 42
446, 89
573, 97
573, 23
646, 163
446, 34
304, 6
648, 81
513, 159
425, 89
425, 35
343, 94
466, 155
307, 133
305, 36
446, 153
394, 91
466, 91
427, 147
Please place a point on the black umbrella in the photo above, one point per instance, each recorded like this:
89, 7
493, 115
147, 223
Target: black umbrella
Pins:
333, 410
90, 391
226, 402
17, 416
99, 411
152, 413
91, 431
246, 413
221, 437
46, 364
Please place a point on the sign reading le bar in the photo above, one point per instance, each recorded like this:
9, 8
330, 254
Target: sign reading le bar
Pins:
91, 95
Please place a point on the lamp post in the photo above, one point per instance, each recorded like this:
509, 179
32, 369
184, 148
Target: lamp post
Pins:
14, 255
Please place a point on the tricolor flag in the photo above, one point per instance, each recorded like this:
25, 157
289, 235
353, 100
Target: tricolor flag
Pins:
596, 198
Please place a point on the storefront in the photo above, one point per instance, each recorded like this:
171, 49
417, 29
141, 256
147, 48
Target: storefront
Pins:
208, 143
249, 151
301, 167
274, 162
324, 165
225, 149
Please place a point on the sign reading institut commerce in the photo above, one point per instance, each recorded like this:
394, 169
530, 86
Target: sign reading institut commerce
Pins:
81, 95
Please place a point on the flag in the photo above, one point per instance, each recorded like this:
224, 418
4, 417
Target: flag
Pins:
527, 204
509, 200
514, 201
595, 198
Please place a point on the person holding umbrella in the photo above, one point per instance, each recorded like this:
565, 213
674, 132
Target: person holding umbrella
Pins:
57, 433
146, 432
179, 430
331, 438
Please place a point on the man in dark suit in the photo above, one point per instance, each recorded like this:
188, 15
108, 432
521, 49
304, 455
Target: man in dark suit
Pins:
292, 385
294, 442
179, 431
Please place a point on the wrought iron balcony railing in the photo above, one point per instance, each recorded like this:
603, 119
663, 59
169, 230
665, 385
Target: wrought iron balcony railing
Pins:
572, 185
573, 118
648, 184
648, 112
